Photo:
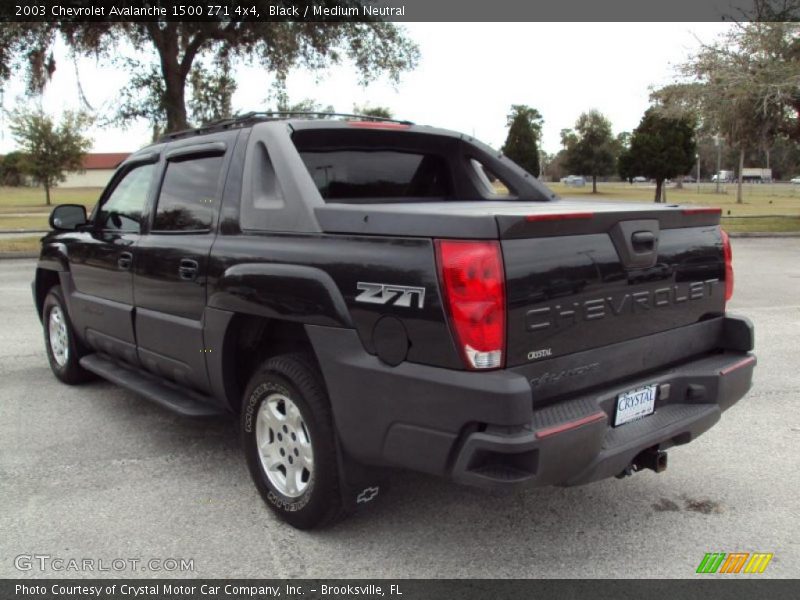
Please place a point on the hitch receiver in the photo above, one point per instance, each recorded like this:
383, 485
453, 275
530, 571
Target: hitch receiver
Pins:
652, 458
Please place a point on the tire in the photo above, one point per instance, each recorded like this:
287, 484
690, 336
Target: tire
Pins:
64, 350
286, 423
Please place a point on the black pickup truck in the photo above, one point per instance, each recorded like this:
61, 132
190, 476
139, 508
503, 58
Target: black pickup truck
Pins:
372, 293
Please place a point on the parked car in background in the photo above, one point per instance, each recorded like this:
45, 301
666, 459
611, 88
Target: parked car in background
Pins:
795, 179
688, 179
574, 180
639, 179
722, 177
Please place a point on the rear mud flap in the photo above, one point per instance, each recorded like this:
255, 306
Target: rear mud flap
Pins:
360, 485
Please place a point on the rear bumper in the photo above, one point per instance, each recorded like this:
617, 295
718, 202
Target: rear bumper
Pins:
499, 429
573, 442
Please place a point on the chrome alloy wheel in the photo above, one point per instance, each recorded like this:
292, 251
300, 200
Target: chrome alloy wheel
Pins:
284, 445
59, 339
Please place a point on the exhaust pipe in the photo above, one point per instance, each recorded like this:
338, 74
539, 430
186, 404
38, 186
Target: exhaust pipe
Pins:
652, 458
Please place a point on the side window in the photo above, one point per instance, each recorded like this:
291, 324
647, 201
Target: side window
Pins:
490, 184
262, 193
189, 194
122, 210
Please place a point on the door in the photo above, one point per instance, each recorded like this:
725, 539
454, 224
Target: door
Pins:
101, 263
171, 266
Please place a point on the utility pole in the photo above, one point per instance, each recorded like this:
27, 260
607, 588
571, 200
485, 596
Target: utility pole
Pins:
697, 158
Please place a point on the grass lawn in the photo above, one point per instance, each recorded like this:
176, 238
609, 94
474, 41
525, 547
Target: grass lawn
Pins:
20, 244
761, 224
31, 199
26, 222
759, 199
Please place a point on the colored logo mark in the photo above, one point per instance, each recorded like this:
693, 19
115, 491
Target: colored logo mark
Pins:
734, 562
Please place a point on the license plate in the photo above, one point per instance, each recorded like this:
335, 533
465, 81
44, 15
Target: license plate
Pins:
635, 405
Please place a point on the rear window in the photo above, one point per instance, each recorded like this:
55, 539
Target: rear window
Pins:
360, 165
362, 173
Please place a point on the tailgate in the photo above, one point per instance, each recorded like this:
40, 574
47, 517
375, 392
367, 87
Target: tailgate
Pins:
577, 280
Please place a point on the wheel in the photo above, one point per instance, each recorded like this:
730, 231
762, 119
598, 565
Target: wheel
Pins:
64, 350
289, 442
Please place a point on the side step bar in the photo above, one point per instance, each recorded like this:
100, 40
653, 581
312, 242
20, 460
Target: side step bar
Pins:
184, 402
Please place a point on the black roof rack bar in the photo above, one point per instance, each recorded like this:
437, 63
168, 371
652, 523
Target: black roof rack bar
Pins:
276, 115
314, 113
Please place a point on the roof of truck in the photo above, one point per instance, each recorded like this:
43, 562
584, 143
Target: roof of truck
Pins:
305, 120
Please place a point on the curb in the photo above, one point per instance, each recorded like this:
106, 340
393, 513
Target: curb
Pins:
10, 255
31, 231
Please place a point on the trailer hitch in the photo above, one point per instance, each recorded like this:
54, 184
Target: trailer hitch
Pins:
652, 458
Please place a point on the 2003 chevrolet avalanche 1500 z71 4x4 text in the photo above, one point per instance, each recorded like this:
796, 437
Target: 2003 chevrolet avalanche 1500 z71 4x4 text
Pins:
371, 293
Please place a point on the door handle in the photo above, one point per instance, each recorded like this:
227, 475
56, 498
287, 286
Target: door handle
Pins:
188, 268
643, 241
125, 260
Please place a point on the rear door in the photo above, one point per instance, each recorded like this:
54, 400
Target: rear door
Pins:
172, 261
102, 260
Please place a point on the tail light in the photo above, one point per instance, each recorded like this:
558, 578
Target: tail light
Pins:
473, 284
728, 254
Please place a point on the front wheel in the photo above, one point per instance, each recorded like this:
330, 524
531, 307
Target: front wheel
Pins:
289, 442
64, 350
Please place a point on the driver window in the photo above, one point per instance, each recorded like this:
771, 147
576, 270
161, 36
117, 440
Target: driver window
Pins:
122, 210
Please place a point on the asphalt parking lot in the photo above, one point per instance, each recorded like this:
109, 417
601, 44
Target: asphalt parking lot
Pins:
98, 472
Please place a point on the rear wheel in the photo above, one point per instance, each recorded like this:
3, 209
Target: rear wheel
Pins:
289, 442
63, 348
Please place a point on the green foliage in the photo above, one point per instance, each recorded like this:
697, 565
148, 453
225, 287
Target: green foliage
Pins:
300, 108
13, 169
590, 147
373, 111
746, 85
171, 51
51, 149
524, 132
660, 148
212, 91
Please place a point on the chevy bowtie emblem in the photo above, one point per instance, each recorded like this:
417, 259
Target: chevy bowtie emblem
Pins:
367, 495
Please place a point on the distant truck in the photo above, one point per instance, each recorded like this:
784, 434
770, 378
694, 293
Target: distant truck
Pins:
756, 175
723, 177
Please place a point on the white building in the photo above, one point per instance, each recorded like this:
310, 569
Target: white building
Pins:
98, 169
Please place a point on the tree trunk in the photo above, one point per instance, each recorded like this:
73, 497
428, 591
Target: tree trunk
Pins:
664, 193
47, 192
739, 197
659, 183
174, 82
175, 100
594, 184
679, 184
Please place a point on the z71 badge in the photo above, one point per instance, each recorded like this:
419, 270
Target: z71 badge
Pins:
384, 293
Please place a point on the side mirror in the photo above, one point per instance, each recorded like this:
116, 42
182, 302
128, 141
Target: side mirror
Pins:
68, 217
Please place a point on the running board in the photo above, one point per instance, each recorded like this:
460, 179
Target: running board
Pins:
169, 395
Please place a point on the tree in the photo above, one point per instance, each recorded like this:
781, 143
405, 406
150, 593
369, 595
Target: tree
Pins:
660, 148
745, 86
590, 147
13, 169
373, 111
157, 88
51, 149
524, 131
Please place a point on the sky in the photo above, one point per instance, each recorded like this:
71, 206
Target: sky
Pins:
468, 77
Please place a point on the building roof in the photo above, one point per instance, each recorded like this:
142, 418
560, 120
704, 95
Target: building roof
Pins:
104, 160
